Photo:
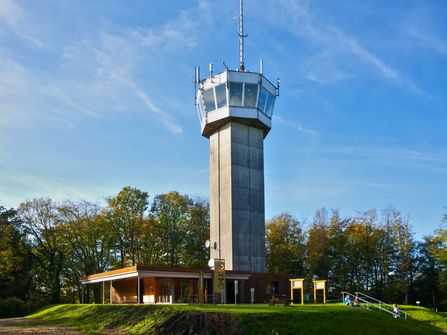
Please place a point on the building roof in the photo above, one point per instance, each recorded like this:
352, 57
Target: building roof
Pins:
141, 271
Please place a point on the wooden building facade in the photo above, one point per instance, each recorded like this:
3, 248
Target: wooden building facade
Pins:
163, 285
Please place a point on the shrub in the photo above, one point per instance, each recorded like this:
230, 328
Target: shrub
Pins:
12, 307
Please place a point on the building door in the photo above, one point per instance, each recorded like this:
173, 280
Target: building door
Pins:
166, 291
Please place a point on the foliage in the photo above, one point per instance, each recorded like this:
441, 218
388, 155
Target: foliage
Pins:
318, 260
46, 246
16, 260
126, 216
197, 231
41, 225
170, 211
13, 307
87, 243
285, 245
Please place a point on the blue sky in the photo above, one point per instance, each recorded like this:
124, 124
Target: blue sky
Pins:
97, 95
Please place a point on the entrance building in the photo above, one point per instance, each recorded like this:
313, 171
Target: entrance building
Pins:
164, 285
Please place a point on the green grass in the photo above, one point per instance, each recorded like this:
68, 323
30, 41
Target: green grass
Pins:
95, 319
427, 316
252, 319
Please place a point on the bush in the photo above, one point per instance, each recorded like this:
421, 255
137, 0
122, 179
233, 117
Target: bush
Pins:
12, 307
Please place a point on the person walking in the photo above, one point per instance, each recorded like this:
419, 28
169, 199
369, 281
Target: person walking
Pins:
396, 312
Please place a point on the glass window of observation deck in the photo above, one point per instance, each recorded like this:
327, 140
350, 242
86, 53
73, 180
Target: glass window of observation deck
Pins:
221, 95
250, 95
208, 96
263, 94
269, 105
236, 94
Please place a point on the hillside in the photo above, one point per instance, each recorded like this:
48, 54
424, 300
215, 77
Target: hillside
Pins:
245, 319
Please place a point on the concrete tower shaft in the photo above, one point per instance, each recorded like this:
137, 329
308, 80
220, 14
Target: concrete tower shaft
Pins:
237, 196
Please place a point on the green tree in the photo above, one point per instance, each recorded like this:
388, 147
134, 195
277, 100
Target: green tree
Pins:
427, 283
404, 268
171, 211
439, 252
367, 239
338, 251
85, 235
126, 214
197, 232
285, 245
318, 248
41, 223
16, 260
152, 248
386, 259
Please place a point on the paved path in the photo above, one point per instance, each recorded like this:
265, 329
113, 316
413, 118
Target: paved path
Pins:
15, 326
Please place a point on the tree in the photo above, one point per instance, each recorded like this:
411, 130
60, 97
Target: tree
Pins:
16, 260
338, 251
318, 260
126, 213
367, 237
85, 235
439, 252
405, 254
171, 211
152, 248
197, 232
41, 225
285, 245
427, 284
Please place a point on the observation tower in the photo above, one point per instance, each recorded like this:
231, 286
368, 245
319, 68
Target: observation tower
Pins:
235, 109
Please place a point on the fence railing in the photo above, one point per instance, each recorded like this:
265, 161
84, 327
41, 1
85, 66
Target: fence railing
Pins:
370, 302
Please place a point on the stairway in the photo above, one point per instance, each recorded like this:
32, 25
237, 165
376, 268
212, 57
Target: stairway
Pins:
372, 303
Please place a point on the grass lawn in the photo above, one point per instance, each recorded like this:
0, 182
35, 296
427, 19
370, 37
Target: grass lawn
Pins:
252, 319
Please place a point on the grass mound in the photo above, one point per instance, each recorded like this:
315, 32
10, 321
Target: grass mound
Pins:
427, 316
245, 319
200, 323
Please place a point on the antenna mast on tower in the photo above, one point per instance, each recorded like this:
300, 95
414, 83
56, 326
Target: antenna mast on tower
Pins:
241, 38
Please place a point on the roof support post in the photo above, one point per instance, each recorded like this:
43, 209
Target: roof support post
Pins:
82, 293
138, 290
111, 295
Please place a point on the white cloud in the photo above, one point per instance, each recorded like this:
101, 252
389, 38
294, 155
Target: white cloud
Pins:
180, 33
18, 21
342, 56
425, 161
419, 25
109, 66
165, 118
296, 126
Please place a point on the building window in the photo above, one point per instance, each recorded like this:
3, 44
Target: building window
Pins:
275, 287
269, 105
266, 102
221, 95
236, 94
208, 96
250, 95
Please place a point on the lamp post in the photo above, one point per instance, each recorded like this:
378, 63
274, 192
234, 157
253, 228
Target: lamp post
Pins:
236, 288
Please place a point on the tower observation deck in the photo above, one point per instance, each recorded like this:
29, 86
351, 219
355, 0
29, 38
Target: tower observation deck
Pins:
235, 109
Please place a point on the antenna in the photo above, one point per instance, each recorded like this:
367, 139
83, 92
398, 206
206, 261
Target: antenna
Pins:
241, 38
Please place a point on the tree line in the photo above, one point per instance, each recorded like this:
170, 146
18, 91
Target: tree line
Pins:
46, 246
371, 253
